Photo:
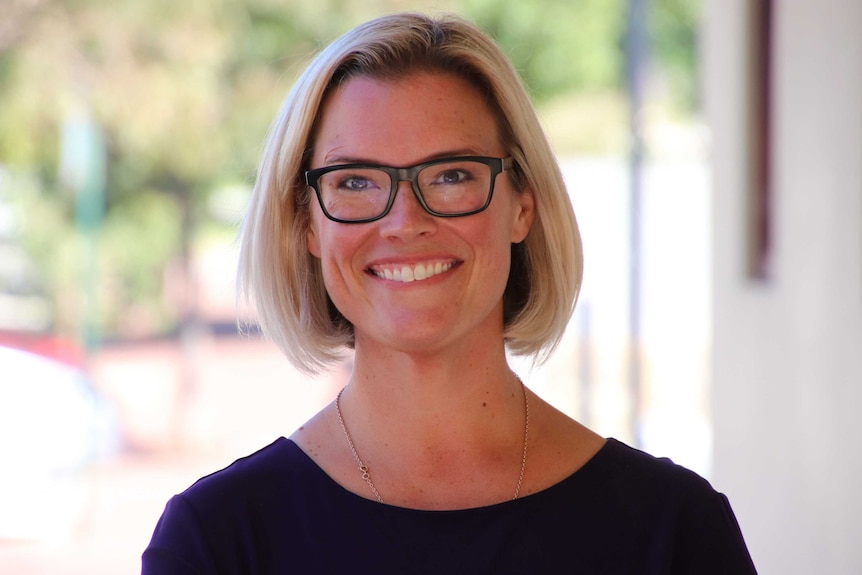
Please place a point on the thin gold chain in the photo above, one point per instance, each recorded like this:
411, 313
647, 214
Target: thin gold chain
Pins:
366, 476
362, 467
526, 434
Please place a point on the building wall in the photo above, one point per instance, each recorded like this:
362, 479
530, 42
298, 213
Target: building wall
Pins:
787, 361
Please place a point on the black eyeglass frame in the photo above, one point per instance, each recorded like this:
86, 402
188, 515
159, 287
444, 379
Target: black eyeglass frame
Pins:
409, 174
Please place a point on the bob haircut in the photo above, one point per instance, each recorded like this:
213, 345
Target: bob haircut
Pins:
284, 281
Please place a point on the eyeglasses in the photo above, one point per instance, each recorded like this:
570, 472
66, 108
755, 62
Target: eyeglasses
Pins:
447, 187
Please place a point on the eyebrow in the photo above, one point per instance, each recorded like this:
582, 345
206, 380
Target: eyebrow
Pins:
338, 160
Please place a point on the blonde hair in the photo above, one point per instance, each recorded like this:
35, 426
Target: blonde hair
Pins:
285, 282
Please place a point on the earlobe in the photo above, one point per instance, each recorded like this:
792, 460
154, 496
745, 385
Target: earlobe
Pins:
525, 211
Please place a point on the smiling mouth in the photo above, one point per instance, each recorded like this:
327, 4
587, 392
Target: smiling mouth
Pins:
417, 272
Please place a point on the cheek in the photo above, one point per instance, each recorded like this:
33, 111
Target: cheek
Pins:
313, 244
497, 248
334, 246
312, 235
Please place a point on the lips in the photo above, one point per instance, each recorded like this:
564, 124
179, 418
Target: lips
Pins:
410, 273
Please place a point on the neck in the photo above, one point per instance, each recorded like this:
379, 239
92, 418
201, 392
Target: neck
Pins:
472, 359
426, 422
460, 416
422, 446
416, 392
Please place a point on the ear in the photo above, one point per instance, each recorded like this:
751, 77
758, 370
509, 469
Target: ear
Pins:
523, 213
311, 239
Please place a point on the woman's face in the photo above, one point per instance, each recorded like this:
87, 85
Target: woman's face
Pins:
464, 260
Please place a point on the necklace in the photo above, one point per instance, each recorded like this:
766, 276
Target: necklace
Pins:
363, 469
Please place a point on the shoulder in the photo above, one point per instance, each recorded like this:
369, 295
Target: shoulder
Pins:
633, 510
258, 466
259, 487
631, 464
255, 476
630, 474
243, 515
695, 519
623, 488
224, 519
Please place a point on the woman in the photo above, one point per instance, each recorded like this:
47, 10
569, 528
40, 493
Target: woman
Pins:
409, 207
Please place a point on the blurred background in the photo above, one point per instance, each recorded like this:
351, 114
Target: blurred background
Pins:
713, 151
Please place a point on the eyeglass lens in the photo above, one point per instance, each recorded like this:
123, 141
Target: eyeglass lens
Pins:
449, 188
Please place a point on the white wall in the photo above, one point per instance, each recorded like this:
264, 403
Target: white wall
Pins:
787, 374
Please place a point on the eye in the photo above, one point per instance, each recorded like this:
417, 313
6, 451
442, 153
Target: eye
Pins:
453, 176
358, 180
355, 184
361, 180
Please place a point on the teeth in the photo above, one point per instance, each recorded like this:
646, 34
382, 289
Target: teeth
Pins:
418, 272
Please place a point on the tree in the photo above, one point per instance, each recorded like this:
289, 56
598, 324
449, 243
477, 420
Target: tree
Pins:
184, 92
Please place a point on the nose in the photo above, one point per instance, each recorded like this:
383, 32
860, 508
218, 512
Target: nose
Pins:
407, 217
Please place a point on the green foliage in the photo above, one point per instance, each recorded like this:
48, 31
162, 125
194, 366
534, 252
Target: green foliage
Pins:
44, 230
135, 245
673, 28
184, 93
558, 45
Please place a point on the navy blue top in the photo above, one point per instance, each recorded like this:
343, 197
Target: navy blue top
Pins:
276, 511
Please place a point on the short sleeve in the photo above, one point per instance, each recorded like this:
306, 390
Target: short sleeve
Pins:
710, 541
178, 545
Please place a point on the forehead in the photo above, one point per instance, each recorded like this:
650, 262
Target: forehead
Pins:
404, 120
